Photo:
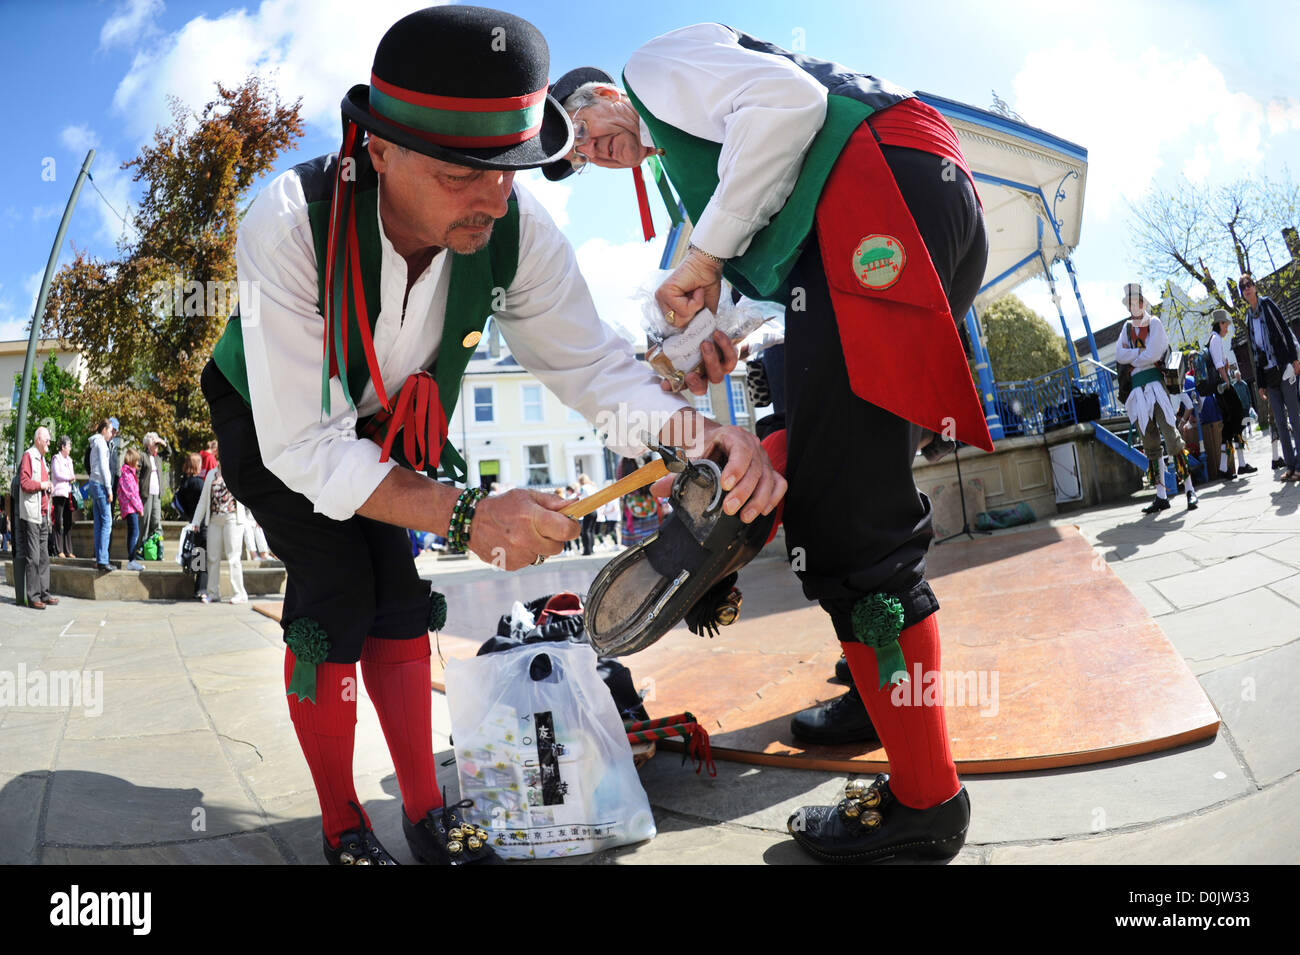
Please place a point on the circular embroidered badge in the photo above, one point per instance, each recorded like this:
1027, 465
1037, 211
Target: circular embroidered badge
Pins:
878, 261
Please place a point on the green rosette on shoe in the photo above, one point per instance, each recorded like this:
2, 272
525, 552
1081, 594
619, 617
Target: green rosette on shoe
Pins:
877, 622
310, 645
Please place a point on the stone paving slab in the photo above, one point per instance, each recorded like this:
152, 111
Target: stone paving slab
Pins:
1061, 803
250, 848
144, 791
1210, 584
1258, 700
1227, 628
29, 738
1262, 829
21, 798
1146, 569
131, 708
1289, 590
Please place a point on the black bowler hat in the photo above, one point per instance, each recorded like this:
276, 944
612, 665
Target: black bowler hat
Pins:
561, 90
466, 85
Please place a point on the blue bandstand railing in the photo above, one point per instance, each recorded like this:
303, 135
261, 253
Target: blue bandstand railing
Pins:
1057, 399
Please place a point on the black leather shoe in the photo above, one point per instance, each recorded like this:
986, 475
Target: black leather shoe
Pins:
842, 671
841, 720
1246, 469
358, 847
1278, 463
1192, 500
443, 838
1159, 504
870, 825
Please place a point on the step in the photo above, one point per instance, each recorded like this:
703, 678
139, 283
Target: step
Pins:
83, 539
160, 580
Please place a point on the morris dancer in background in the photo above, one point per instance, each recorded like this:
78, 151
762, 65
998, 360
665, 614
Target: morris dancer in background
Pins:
1143, 344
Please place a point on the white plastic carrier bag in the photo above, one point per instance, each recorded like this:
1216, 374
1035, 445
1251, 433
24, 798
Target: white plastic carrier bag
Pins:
541, 750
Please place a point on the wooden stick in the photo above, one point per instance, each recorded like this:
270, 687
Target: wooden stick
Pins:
633, 482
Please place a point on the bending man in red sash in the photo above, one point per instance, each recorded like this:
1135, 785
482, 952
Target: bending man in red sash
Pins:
848, 200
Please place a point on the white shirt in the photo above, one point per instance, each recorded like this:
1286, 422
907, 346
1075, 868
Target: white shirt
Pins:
1147, 356
1217, 353
549, 323
154, 466
762, 108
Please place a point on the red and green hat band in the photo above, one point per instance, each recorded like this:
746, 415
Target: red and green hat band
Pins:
459, 121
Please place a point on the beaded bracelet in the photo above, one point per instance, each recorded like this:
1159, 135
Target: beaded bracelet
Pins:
461, 515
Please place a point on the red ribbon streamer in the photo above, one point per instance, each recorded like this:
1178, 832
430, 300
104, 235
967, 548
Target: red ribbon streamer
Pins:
643, 204
419, 414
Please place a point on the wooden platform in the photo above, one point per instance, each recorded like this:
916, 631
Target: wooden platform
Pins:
1048, 661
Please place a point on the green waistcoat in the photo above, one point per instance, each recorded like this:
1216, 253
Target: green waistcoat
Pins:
469, 295
692, 166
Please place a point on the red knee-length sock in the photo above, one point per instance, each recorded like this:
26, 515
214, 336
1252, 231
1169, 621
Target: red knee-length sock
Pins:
921, 770
399, 681
327, 730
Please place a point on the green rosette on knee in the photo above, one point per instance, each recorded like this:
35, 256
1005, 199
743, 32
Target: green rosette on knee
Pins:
437, 611
310, 645
877, 622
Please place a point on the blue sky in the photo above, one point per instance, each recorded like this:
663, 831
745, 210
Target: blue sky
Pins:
1152, 90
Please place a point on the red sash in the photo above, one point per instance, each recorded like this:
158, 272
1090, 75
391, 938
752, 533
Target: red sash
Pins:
900, 342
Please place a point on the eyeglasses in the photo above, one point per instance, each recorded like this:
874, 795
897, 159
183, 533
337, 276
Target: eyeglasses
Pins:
581, 136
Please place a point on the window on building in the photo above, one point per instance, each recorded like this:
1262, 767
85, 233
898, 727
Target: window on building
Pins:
532, 403
739, 399
704, 403
539, 466
483, 403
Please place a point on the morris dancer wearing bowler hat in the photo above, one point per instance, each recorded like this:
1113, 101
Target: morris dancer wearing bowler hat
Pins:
376, 270
848, 200
1143, 345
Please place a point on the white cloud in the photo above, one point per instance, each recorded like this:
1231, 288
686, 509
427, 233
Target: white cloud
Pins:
79, 139
1197, 166
1136, 114
616, 273
131, 22
312, 49
1100, 298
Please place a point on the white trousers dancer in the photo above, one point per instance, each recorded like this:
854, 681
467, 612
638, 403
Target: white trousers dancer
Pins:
225, 537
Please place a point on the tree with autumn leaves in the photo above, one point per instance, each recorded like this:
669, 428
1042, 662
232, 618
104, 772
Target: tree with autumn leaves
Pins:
146, 322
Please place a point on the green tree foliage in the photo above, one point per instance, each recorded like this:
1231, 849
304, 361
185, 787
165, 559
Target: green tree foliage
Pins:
146, 322
1021, 343
55, 402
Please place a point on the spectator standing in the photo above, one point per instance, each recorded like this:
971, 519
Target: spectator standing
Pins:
129, 503
151, 484
1277, 355
209, 458
101, 489
586, 488
65, 473
255, 541
191, 486
607, 522
34, 511
224, 518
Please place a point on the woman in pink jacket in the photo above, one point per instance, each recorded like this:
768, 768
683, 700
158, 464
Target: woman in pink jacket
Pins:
128, 498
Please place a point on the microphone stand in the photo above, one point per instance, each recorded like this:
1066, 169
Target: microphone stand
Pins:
961, 493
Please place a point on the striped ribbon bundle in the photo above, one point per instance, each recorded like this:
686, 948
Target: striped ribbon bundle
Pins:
666, 727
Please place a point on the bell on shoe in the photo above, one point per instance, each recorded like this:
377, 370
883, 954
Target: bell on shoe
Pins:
841, 720
443, 838
842, 671
870, 825
358, 846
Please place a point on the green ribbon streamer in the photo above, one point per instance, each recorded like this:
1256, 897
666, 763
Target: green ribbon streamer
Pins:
665, 190
877, 622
